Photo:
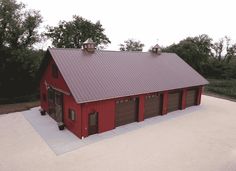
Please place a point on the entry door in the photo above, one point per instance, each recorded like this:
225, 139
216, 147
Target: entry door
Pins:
93, 123
51, 103
58, 106
55, 104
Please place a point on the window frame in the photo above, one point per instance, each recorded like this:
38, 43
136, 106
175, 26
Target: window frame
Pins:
71, 114
51, 95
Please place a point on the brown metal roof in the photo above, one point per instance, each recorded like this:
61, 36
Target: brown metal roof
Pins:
109, 74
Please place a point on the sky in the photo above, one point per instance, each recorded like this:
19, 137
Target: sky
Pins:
150, 21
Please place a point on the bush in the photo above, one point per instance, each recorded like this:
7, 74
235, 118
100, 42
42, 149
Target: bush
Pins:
223, 87
18, 70
219, 70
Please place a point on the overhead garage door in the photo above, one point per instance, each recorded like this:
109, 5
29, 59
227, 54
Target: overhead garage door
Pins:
174, 101
126, 111
152, 105
191, 97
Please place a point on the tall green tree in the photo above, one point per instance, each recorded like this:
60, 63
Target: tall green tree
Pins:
72, 34
131, 45
224, 50
18, 27
19, 62
194, 50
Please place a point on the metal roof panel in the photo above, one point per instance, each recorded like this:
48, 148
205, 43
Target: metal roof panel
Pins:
110, 74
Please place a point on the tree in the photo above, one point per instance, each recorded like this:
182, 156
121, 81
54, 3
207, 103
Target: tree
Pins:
73, 33
18, 70
19, 62
223, 50
194, 50
131, 45
18, 27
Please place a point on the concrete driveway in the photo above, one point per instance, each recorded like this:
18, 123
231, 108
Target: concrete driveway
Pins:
198, 138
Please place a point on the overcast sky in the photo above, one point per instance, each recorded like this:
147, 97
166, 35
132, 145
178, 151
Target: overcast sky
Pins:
150, 21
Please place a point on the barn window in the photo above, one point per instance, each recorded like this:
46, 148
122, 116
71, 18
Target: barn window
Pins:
54, 71
58, 98
50, 95
72, 114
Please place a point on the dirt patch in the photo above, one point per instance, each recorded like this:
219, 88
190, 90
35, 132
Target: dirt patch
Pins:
17, 107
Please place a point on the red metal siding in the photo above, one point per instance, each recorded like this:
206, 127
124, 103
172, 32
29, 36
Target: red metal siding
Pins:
73, 126
56, 82
43, 91
106, 112
184, 93
141, 108
106, 115
165, 103
69, 102
199, 94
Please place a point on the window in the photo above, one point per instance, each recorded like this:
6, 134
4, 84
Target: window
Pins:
54, 71
50, 95
72, 114
58, 98
93, 118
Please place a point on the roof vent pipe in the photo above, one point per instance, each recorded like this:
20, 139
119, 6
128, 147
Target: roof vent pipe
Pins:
89, 45
156, 49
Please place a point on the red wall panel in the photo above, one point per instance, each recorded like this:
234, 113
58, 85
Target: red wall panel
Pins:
184, 94
199, 94
141, 108
165, 103
73, 126
69, 102
106, 115
56, 82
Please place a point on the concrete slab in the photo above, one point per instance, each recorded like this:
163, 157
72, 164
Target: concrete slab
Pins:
59, 141
65, 141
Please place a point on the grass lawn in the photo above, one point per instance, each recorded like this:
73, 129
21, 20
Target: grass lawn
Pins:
226, 88
17, 107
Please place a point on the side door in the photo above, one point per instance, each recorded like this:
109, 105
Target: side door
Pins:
58, 106
93, 123
51, 103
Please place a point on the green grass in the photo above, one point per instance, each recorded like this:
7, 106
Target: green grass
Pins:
222, 87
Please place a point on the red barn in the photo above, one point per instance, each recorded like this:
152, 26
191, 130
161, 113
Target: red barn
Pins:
90, 91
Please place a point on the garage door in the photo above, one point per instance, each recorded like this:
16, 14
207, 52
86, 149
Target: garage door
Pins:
152, 105
126, 111
174, 101
191, 97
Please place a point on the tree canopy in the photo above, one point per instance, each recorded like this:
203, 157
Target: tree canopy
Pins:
131, 45
72, 34
224, 50
194, 50
19, 62
18, 27
212, 59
